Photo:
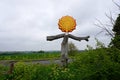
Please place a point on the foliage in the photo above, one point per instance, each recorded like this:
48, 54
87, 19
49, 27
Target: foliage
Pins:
99, 44
60, 73
99, 64
24, 71
41, 51
89, 47
3, 71
96, 65
114, 54
116, 28
115, 42
72, 49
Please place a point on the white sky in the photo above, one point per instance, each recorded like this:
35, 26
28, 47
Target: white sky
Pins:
24, 24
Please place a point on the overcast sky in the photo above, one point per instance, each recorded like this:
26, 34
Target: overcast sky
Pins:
24, 24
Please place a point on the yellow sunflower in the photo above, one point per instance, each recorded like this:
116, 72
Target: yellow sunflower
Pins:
67, 24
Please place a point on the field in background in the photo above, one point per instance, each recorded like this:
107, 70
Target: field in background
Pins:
99, 64
29, 55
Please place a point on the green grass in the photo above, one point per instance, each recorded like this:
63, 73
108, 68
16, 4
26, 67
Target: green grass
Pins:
30, 56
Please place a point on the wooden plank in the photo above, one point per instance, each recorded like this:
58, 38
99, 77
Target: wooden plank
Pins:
64, 51
50, 38
78, 38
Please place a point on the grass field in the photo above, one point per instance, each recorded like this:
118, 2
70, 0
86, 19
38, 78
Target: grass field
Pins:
29, 56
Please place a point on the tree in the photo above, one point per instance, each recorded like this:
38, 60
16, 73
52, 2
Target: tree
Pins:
108, 27
116, 4
99, 44
72, 49
116, 28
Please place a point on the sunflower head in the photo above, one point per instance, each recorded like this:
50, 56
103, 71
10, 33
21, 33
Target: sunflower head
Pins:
67, 24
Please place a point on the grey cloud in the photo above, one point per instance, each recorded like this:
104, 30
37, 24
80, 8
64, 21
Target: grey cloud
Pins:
24, 24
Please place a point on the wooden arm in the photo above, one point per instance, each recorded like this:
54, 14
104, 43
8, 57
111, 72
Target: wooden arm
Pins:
50, 38
78, 38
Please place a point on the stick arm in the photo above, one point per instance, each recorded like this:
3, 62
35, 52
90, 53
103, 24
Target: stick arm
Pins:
50, 38
78, 38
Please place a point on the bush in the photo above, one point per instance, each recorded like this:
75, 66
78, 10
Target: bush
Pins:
99, 64
95, 65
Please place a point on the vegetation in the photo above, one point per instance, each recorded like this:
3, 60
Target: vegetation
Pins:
116, 28
99, 64
72, 49
29, 56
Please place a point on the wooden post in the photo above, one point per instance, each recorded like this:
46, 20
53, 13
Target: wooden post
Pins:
11, 68
64, 51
